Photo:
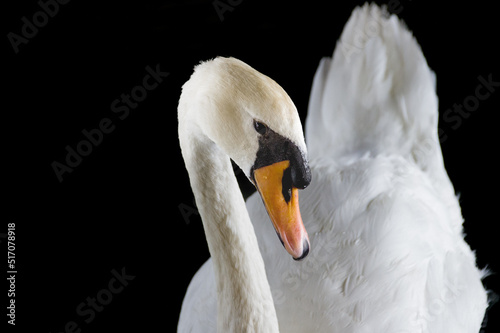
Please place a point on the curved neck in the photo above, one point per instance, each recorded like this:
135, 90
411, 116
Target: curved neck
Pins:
244, 297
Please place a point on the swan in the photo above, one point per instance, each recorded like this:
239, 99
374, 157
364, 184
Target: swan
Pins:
229, 110
385, 227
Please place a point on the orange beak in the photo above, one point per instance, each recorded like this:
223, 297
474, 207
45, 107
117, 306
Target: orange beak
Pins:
282, 203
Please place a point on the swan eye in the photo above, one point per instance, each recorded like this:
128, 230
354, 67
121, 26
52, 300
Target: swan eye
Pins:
260, 127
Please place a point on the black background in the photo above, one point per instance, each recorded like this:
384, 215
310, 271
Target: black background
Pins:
122, 206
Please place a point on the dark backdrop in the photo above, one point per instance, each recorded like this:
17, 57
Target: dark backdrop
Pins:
126, 208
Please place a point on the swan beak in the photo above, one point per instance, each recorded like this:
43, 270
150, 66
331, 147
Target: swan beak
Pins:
282, 203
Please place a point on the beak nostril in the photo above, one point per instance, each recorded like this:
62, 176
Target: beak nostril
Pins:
286, 184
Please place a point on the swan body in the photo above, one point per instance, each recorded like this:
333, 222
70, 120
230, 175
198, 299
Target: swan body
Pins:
388, 253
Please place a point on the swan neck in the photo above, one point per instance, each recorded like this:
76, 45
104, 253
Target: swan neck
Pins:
243, 292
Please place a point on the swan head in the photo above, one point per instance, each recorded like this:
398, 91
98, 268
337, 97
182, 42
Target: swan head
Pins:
253, 121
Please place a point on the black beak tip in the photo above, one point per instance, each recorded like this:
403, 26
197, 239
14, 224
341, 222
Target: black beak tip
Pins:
305, 251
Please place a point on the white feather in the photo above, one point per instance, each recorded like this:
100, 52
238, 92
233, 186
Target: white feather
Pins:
387, 248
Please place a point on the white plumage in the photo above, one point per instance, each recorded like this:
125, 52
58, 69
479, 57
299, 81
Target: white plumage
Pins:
387, 248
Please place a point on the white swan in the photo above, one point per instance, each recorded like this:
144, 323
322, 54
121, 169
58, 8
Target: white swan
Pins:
385, 227
227, 109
